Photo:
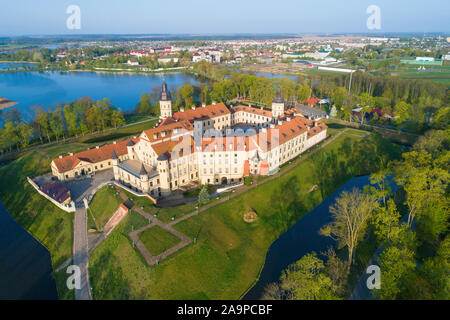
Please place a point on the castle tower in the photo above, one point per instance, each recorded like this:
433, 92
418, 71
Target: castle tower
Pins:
163, 169
165, 102
144, 179
115, 163
278, 105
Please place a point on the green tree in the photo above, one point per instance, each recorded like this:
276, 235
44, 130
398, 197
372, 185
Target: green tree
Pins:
187, 94
351, 213
338, 96
306, 280
203, 196
397, 265
402, 110
26, 133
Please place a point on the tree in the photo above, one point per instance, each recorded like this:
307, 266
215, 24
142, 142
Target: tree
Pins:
306, 280
424, 180
338, 96
336, 269
379, 187
333, 112
442, 118
402, 109
26, 133
117, 118
303, 92
10, 135
351, 213
386, 221
144, 106
203, 196
187, 94
397, 265
436, 271
41, 118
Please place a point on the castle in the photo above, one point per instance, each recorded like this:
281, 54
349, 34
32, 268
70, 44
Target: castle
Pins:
213, 144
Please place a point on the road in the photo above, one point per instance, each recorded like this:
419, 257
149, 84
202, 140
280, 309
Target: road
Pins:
80, 253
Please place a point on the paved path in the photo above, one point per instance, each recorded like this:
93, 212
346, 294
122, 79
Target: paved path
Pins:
152, 260
80, 254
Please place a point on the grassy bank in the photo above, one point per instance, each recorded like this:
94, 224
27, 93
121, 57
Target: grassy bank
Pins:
157, 240
228, 254
52, 226
105, 202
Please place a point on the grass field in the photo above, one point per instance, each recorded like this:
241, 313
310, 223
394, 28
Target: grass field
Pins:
229, 253
118, 134
52, 226
105, 202
157, 240
163, 214
440, 77
115, 285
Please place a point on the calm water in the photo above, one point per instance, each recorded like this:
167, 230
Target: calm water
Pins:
25, 265
300, 239
50, 88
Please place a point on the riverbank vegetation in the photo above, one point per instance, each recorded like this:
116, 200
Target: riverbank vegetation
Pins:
410, 228
79, 118
227, 254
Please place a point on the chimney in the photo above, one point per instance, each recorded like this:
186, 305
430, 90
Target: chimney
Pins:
288, 118
262, 108
249, 105
214, 103
181, 109
70, 153
163, 134
115, 142
193, 107
280, 122
97, 147
272, 126
203, 105
60, 156
155, 136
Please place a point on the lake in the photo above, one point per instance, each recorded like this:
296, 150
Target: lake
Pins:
50, 88
300, 239
25, 264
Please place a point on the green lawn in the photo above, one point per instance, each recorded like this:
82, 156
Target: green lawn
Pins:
55, 151
229, 253
118, 134
106, 201
157, 240
52, 226
360, 133
163, 214
117, 255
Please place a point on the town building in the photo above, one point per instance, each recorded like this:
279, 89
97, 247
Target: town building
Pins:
213, 144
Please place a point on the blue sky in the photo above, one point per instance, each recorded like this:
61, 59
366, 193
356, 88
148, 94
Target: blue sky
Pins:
21, 17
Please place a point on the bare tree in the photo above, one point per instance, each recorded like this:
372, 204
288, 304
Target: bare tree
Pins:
351, 213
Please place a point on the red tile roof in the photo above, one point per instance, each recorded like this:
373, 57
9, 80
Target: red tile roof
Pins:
202, 113
258, 111
175, 148
156, 134
93, 155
